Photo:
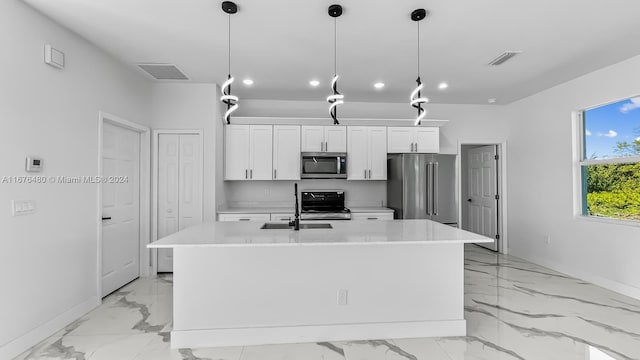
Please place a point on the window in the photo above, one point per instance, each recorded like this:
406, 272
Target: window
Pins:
610, 160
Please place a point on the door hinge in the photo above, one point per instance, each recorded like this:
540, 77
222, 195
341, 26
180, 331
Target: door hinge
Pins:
496, 157
497, 197
497, 236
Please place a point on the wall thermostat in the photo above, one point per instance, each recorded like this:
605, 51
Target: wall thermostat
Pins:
34, 164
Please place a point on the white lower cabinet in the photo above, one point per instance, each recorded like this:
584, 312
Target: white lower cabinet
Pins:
244, 217
372, 216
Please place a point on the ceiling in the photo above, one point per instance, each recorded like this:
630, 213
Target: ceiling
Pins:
282, 44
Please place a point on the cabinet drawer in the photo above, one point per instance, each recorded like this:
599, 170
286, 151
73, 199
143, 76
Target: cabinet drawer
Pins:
244, 217
372, 216
281, 217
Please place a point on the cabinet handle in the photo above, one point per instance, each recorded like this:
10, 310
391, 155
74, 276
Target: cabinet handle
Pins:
365, 173
369, 173
372, 218
244, 219
416, 147
251, 174
274, 174
246, 173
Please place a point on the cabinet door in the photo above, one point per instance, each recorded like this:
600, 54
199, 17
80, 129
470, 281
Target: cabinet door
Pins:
428, 139
244, 217
236, 152
377, 145
335, 138
399, 139
312, 138
261, 139
286, 152
357, 156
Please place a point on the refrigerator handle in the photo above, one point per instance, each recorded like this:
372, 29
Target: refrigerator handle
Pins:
435, 189
429, 183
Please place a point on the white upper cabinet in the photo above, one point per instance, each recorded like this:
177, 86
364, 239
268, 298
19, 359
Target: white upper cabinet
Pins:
324, 139
413, 139
367, 153
248, 151
286, 152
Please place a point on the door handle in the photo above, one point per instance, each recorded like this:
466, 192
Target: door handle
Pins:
104, 218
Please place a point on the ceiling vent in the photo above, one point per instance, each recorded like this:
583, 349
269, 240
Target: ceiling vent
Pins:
163, 71
502, 58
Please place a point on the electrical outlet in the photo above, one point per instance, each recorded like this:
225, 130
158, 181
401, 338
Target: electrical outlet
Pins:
23, 207
343, 296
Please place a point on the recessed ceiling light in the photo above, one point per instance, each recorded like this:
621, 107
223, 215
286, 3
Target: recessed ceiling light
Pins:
443, 85
378, 85
314, 83
492, 100
248, 82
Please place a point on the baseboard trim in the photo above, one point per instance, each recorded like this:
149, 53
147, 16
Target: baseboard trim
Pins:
315, 333
33, 337
608, 284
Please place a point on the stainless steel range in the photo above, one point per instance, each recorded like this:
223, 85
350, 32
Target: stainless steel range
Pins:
324, 205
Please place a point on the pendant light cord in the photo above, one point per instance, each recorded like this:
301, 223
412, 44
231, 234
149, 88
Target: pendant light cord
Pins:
229, 43
418, 48
335, 46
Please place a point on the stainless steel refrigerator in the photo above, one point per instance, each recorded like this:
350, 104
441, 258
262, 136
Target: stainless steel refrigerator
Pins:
422, 186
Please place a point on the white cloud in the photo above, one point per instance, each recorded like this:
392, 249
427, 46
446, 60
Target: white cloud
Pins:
633, 104
638, 138
587, 132
611, 134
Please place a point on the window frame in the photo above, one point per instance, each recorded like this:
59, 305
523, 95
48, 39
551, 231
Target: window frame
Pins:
579, 161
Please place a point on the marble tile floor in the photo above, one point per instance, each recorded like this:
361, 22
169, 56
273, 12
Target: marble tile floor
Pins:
514, 310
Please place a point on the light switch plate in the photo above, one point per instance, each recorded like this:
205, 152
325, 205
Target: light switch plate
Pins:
23, 207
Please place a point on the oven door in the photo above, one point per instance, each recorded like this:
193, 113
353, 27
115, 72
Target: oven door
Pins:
323, 166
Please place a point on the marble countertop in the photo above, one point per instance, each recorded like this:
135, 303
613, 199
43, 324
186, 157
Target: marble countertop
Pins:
289, 209
354, 232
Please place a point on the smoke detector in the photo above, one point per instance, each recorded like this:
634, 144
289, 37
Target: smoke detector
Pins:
163, 71
504, 57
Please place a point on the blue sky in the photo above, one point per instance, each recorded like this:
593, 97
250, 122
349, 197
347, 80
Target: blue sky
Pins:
607, 125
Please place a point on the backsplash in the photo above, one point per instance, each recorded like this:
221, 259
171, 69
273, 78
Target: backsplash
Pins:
280, 193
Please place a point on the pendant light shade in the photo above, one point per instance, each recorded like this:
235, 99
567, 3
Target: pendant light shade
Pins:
336, 98
227, 98
416, 99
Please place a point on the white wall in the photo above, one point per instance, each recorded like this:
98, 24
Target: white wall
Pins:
189, 106
48, 260
468, 123
541, 184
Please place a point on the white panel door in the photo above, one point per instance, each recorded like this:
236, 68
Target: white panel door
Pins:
357, 153
261, 158
236, 154
399, 140
168, 194
120, 208
377, 137
179, 188
286, 152
312, 138
427, 140
335, 138
482, 203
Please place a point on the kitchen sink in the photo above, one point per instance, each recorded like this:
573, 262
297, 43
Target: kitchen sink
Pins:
282, 226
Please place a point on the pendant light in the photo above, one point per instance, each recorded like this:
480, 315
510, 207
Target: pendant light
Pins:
336, 98
229, 7
416, 95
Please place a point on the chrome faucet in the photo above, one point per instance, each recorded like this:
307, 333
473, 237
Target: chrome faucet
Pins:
296, 221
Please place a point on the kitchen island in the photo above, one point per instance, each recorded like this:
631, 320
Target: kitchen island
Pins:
236, 284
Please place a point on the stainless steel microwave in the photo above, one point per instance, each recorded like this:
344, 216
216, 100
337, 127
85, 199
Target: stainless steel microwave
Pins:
323, 165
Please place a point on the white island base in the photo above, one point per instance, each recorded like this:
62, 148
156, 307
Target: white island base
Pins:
365, 281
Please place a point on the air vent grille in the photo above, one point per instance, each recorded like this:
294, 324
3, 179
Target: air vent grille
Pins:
163, 71
504, 57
